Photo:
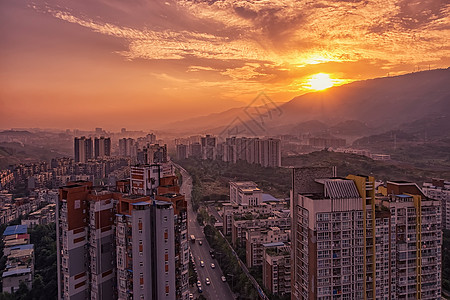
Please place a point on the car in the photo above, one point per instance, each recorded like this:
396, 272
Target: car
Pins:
202, 263
213, 266
191, 296
199, 283
223, 278
207, 281
200, 289
200, 243
213, 256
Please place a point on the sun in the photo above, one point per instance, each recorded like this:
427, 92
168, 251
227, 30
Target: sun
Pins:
320, 81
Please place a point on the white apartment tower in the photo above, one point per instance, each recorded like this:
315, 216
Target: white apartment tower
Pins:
350, 243
145, 249
439, 189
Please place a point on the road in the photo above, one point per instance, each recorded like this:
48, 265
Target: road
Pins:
217, 289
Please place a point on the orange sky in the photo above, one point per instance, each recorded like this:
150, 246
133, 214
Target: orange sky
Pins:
140, 64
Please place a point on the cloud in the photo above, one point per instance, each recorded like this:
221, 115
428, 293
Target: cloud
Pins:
267, 38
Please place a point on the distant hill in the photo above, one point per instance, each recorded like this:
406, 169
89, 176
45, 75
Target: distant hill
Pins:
356, 164
14, 153
359, 108
382, 103
312, 126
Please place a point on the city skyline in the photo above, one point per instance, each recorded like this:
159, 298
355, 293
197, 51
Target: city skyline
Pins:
186, 58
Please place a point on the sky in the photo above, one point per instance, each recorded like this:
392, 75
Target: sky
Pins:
142, 64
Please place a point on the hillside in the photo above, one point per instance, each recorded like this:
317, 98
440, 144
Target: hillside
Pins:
357, 164
379, 103
359, 108
14, 153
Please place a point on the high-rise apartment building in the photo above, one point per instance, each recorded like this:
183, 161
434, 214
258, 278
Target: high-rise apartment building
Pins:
417, 240
229, 150
277, 268
127, 147
102, 147
182, 151
83, 149
351, 243
209, 144
85, 242
144, 179
145, 248
195, 150
270, 153
152, 154
265, 152
169, 191
113, 245
439, 189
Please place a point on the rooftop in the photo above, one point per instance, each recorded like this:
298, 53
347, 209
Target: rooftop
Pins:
274, 244
268, 197
16, 272
141, 203
23, 247
16, 229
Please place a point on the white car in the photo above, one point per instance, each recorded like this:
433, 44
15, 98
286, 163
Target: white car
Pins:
202, 263
191, 296
213, 266
207, 281
223, 278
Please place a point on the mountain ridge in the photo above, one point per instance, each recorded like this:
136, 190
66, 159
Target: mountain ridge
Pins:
380, 104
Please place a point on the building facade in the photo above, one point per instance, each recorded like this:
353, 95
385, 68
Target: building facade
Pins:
83, 149
245, 193
145, 249
102, 147
439, 189
182, 151
352, 243
85, 243
277, 268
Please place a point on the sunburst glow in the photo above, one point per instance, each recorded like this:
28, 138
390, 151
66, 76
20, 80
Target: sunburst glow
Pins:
320, 81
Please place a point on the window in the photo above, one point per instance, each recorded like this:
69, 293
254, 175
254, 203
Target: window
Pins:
140, 225
323, 217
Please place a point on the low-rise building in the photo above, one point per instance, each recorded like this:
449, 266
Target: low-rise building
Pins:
255, 222
245, 193
43, 216
277, 268
19, 258
254, 240
266, 208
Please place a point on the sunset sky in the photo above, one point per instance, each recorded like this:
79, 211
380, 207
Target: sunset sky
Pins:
139, 64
